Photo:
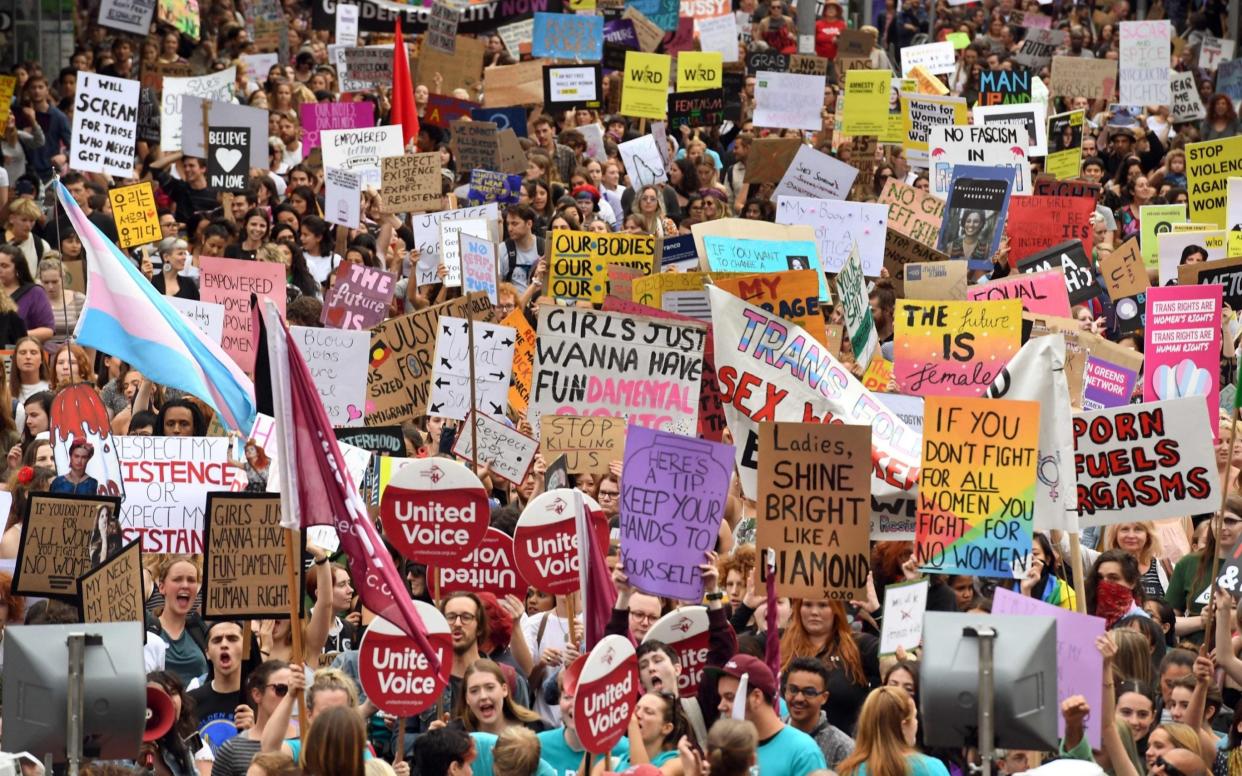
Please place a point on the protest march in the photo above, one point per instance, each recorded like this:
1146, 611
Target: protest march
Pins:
658, 387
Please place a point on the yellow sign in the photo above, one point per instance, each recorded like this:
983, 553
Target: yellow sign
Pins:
580, 5
644, 90
866, 102
7, 84
578, 262
920, 112
1065, 159
927, 83
133, 210
671, 290
699, 70
1208, 168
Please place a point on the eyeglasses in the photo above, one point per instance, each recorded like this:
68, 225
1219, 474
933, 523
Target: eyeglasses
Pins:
644, 617
1169, 770
281, 690
603, 494
810, 693
464, 617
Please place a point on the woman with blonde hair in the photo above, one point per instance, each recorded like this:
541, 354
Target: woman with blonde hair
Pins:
66, 303
821, 629
648, 209
884, 740
1138, 540
1133, 661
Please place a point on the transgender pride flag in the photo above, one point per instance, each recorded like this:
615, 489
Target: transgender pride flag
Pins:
126, 317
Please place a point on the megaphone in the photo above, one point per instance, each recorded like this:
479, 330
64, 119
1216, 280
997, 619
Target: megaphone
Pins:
160, 714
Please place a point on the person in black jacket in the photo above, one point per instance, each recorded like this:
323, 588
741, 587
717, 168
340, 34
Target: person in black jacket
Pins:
190, 192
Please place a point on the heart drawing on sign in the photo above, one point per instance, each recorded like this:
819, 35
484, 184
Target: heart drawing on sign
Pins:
353, 412
228, 158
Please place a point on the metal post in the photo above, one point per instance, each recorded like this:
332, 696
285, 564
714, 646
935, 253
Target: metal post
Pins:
987, 696
806, 26
76, 697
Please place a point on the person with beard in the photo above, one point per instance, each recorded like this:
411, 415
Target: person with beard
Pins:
220, 708
467, 621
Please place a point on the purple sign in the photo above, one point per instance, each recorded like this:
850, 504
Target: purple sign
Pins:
673, 492
1080, 667
318, 116
1106, 384
359, 298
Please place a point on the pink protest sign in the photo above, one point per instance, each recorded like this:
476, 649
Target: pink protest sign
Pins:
1044, 293
1182, 345
230, 282
359, 298
318, 116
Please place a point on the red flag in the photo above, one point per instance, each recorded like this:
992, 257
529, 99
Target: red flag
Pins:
404, 111
315, 486
598, 593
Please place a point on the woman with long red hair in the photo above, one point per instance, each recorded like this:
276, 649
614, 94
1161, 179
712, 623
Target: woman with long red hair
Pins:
821, 629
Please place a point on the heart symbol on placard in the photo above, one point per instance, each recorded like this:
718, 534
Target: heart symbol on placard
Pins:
353, 412
1184, 379
335, 316
228, 158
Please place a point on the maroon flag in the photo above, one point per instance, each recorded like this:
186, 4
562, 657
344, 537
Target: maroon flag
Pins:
598, 593
315, 486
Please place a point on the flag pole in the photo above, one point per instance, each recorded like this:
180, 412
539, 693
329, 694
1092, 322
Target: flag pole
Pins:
1080, 602
292, 564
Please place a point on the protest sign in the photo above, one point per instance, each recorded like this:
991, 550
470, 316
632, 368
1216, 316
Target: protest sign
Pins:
132, 16
224, 114
428, 238
1073, 262
685, 630
506, 450
814, 507
62, 538
1004, 87
114, 591
1179, 248
1186, 105
780, 101
921, 112
676, 292
545, 540
699, 71
1145, 462
865, 110
1038, 222
227, 147
442, 28
411, 183
358, 298
840, 228
597, 363
577, 37
207, 316
588, 444
492, 353
945, 280
644, 91
758, 384
231, 282
214, 86
1213, 51
912, 213
953, 348
975, 211
1123, 272
720, 34
1208, 167
572, 86
478, 265
579, 261
815, 174
523, 360
511, 118
167, 480
852, 294
1154, 221
1144, 63
1225, 272
342, 203
904, 605
434, 510
519, 84
977, 488
937, 58
673, 495
769, 158
607, 693
1039, 292
1182, 345
498, 187
133, 211
1038, 48
489, 568
337, 360
728, 254
245, 565
360, 150
1079, 664
703, 108
992, 146
1229, 80
791, 295
395, 675
346, 25
476, 144
105, 125
1065, 144
181, 14
319, 116
1106, 384
642, 159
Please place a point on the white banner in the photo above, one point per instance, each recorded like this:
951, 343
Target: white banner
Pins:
214, 86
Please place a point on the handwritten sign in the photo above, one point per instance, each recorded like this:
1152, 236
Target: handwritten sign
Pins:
230, 282
792, 295
568, 36
133, 210
1039, 292
105, 125
411, 183
113, 592
1144, 63
207, 316
509, 452
360, 150
245, 566
337, 360
523, 360
814, 507
492, 352
319, 116
904, 606
58, 533
586, 443
953, 348
359, 298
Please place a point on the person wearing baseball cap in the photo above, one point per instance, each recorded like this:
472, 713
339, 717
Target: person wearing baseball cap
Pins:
783, 750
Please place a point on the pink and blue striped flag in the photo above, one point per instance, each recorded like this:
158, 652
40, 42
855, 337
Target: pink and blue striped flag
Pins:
126, 317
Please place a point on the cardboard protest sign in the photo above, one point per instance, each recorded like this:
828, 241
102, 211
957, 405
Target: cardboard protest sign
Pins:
673, 495
114, 591
1182, 345
852, 294
813, 173
1065, 144
1038, 48
592, 362
755, 388
977, 487
1208, 167
953, 348
520, 84
245, 566
1073, 262
1036, 223
133, 210
907, 601
319, 116
815, 507
506, 450
63, 538
578, 37
840, 228
974, 216
476, 144
587, 443
645, 87
1080, 668
1144, 63
434, 510
727, 254
1123, 272
1186, 105
607, 692
769, 158
105, 125
685, 630
227, 147
792, 295
428, 238
1039, 292
945, 280
337, 360
395, 675
1145, 462
1095, 79
489, 568
780, 101
492, 352
214, 86
913, 213
358, 298
994, 146
411, 183
231, 282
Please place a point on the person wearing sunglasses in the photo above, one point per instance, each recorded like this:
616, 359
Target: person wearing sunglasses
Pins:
1190, 583
265, 687
805, 689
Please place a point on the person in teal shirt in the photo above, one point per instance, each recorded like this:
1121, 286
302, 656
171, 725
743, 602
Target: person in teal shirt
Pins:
783, 750
888, 726
515, 752
560, 747
656, 726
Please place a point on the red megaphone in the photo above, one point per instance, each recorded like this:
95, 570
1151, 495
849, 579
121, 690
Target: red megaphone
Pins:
160, 714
